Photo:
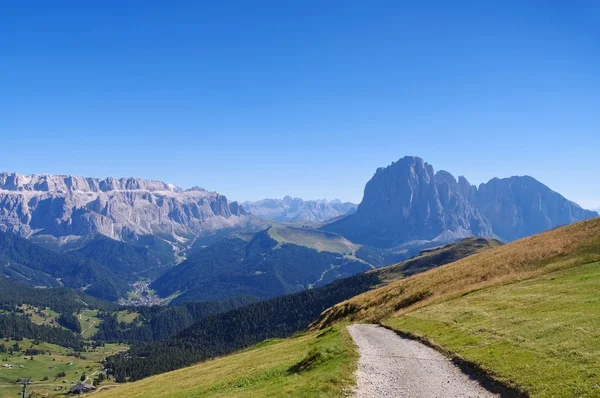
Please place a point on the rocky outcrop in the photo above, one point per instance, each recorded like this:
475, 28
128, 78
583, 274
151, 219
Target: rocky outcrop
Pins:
291, 209
408, 201
62, 208
237, 209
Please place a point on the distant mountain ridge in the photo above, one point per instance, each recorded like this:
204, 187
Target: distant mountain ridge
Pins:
409, 202
291, 209
58, 210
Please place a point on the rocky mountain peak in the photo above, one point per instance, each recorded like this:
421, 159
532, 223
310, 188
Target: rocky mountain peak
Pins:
407, 201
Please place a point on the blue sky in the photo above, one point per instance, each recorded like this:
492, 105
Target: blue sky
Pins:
261, 99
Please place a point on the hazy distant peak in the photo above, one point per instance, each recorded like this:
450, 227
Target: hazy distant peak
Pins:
291, 209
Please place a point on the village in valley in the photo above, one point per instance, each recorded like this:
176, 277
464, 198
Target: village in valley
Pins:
141, 296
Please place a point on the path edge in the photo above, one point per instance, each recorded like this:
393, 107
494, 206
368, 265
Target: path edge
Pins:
470, 368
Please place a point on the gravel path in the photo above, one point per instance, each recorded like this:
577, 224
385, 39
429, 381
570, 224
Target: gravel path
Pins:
391, 366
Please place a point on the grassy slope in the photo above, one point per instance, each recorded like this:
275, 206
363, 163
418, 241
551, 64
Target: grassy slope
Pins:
527, 258
314, 239
127, 316
47, 317
526, 312
39, 367
89, 321
541, 334
325, 361
435, 257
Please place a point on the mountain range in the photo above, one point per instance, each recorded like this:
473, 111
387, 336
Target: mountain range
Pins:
291, 209
129, 229
65, 210
409, 202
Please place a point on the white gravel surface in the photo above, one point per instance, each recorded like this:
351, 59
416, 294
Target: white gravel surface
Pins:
391, 366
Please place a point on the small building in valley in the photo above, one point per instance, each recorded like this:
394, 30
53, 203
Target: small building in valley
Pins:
81, 388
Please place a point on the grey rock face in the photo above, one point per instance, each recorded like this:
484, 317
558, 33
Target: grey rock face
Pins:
522, 206
60, 208
291, 209
407, 201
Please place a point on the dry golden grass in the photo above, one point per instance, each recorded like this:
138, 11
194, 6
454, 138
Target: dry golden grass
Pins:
557, 249
433, 258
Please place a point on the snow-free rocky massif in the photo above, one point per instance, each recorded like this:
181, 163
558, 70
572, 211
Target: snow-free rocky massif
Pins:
406, 207
408, 202
60, 210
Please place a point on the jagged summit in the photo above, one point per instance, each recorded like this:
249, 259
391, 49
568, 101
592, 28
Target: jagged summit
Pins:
408, 201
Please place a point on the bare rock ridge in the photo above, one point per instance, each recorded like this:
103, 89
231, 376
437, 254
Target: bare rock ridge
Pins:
291, 209
408, 201
60, 209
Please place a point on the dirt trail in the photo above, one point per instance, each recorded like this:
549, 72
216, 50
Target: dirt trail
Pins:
391, 366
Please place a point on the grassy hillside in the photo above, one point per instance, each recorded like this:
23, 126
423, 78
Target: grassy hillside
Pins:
314, 239
540, 334
526, 313
433, 258
554, 250
47, 365
310, 365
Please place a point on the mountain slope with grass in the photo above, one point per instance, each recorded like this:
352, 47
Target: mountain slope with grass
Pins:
319, 364
525, 313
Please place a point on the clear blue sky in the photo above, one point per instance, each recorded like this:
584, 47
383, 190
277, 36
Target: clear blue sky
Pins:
261, 99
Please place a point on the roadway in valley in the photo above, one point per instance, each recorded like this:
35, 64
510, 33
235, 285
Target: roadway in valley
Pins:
392, 366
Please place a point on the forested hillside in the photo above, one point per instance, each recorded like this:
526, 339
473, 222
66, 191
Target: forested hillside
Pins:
159, 322
14, 293
18, 327
33, 265
16, 323
127, 261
